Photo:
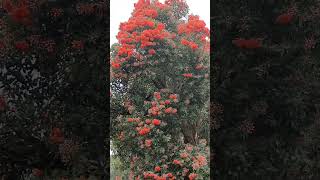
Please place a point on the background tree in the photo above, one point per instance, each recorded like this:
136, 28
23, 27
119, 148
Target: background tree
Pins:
266, 72
53, 88
160, 90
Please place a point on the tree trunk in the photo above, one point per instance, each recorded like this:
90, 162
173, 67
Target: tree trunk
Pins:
189, 133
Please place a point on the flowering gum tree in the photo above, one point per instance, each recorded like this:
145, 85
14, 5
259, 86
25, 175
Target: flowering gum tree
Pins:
160, 92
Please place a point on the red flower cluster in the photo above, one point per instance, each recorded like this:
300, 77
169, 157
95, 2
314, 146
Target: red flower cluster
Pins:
115, 65
77, 44
37, 172
177, 162
173, 96
157, 95
284, 19
144, 131
19, 13
2, 103
247, 43
157, 169
191, 44
199, 67
187, 75
170, 110
194, 25
148, 142
141, 31
56, 136
152, 51
156, 122
148, 121
22, 46
193, 176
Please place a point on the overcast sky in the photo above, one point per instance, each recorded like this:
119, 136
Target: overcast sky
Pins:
121, 10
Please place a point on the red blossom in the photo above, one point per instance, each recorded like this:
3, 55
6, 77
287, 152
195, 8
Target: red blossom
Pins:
152, 51
144, 131
130, 119
37, 172
148, 142
21, 15
157, 169
156, 122
187, 75
177, 162
115, 65
148, 121
56, 136
199, 67
157, 95
22, 46
77, 44
173, 96
3, 103
7, 5
167, 102
193, 176
247, 43
284, 19
2, 46
168, 110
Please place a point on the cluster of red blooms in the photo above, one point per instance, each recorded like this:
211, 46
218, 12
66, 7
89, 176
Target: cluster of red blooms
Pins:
77, 44
37, 172
187, 75
191, 44
159, 105
144, 131
247, 43
22, 46
141, 31
56, 136
194, 26
2, 103
19, 13
285, 19
168, 176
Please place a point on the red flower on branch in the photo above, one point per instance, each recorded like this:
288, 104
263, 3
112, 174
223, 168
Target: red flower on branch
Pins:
247, 43
56, 136
22, 46
187, 75
193, 176
284, 19
157, 169
152, 51
77, 44
37, 172
148, 142
144, 131
2, 103
156, 122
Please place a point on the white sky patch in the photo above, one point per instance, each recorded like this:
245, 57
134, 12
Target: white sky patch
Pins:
120, 11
